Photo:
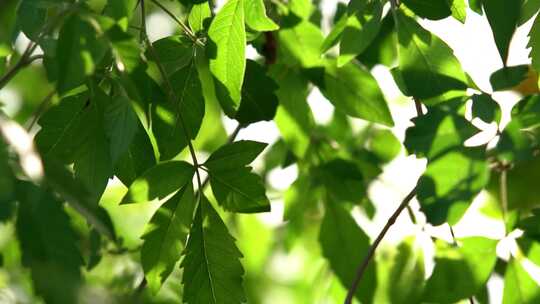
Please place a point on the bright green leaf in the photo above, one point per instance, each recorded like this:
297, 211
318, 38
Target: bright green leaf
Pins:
424, 58
226, 51
259, 101
256, 16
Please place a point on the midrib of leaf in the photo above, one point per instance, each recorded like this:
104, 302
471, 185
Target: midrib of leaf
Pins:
228, 37
230, 186
181, 100
422, 55
206, 254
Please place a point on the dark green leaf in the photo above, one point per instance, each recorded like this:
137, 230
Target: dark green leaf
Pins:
234, 155
259, 100
528, 10
430, 9
169, 120
485, 108
503, 17
239, 190
343, 180
48, 245
344, 245
174, 53
159, 181
508, 77
534, 44
78, 51
212, 269
31, 18
137, 159
121, 11
166, 235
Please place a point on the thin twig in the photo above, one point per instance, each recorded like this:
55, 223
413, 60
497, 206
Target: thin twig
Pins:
365, 263
182, 25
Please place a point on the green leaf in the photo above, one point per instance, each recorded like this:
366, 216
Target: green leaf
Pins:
48, 245
343, 180
385, 145
137, 159
120, 123
226, 50
75, 193
459, 9
121, 11
256, 16
509, 77
212, 269
334, 36
61, 133
383, 49
528, 10
460, 272
406, 275
259, 100
425, 58
174, 53
353, 91
519, 286
78, 52
159, 181
93, 164
169, 120
476, 6
503, 17
345, 245
486, 108
234, 155
362, 27
293, 116
239, 190
31, 18
7, 183
534, 44
437, 132
450, 183
165, 236
430, 9
299, 43
199, 16
125, 48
